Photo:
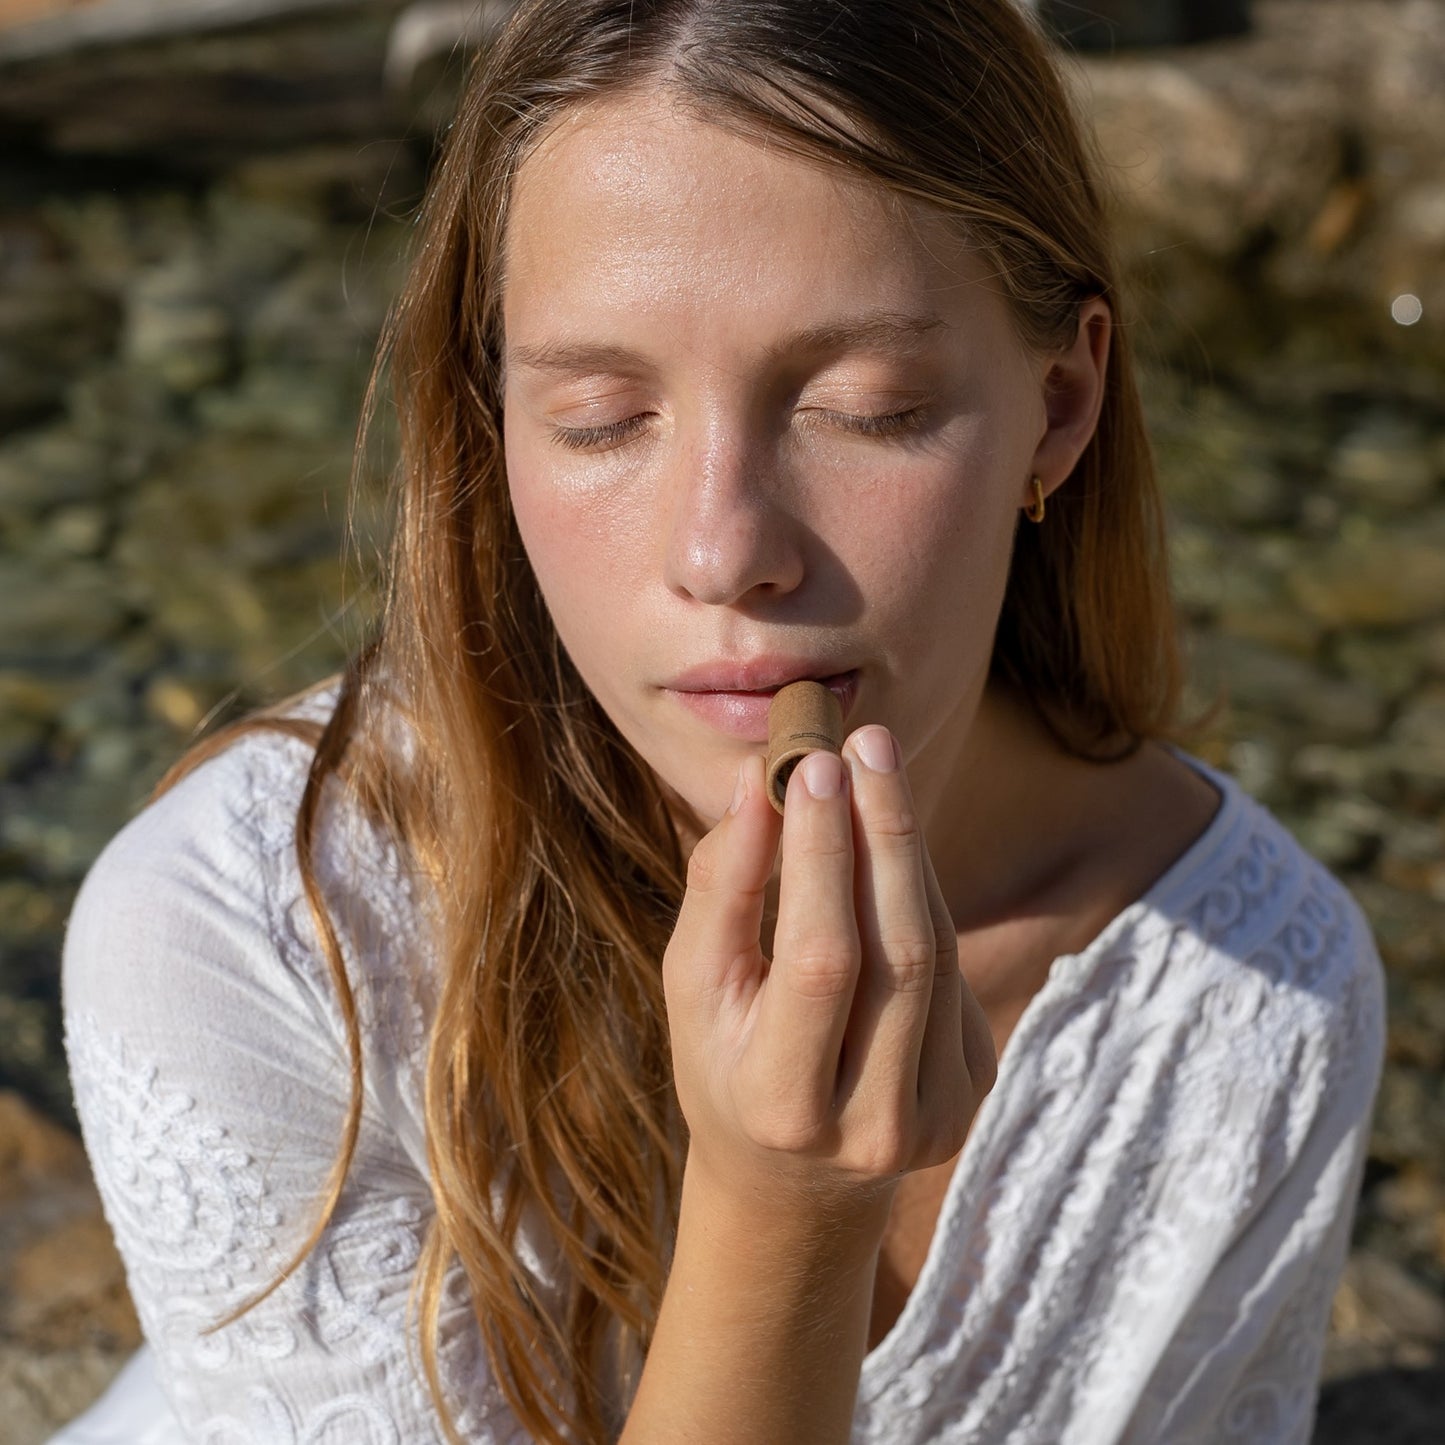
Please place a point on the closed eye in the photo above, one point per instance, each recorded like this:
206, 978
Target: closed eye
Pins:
599, 438
615, 433
893, 423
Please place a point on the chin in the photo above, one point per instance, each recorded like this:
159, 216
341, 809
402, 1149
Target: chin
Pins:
697, 800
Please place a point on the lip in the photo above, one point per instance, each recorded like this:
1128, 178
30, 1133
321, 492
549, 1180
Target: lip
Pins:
734, 697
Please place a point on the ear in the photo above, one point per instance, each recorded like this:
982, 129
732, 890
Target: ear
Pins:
1073, 383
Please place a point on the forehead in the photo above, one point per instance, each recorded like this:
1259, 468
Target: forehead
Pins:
638, 202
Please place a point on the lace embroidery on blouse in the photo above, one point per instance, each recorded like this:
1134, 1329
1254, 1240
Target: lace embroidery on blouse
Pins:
1141, 1253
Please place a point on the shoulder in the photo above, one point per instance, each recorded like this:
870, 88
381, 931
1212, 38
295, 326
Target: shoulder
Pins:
1268, 951
201, 892
206, 845
1253, 893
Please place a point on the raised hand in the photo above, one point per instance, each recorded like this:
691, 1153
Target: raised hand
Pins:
857, 1053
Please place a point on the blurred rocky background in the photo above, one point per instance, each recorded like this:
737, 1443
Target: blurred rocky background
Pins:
203, 213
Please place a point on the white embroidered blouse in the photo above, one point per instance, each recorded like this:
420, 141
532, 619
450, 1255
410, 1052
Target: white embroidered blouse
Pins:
1139, 1245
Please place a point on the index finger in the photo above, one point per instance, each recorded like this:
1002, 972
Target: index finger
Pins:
805, 1004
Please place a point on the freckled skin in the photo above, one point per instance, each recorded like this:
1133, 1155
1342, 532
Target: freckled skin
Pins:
740, 515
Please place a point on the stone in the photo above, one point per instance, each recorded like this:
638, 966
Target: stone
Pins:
52, 467
129, 413
34, 1151
69, 1288
110, 756
258, 233
309, 186
1258, 766
311, 317
1417, 1032
1376, 577
1260, 679
1385, 461
77, 530
1237, 589
27, 913
66, 1320
1391, 666
1417, 735
1179, 153
51, 321
56, 615
182, 82
177, 325
1197, 555
103, 236
1343, 832
27, 709
1409, 1115
1380, 1289
310, 403
1432, 650
1218, 463
65, 821
1408, 927
41, 1390
1255, 607
1413, 857
1356, 770
21, 742
176, 702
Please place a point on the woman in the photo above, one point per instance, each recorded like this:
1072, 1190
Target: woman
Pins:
744, 343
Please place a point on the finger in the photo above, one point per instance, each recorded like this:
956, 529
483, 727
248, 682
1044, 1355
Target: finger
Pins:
804, 1007
957, 1066
715, 944
897, 929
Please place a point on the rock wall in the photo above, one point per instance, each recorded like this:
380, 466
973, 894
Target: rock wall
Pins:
186, 323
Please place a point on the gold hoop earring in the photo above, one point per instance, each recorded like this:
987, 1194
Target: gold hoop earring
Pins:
1035, 509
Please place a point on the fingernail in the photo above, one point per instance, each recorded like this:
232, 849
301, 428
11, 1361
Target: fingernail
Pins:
740, 788
822, 774
874, 744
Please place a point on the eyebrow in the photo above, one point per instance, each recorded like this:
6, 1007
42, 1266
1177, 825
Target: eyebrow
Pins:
874, 330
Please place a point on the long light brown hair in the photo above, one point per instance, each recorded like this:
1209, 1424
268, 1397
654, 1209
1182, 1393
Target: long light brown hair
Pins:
550, 851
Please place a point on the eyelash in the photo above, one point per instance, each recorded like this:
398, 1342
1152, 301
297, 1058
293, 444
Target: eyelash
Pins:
613, 434
590, 438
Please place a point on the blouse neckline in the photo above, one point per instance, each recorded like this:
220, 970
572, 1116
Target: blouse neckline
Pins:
1151, 913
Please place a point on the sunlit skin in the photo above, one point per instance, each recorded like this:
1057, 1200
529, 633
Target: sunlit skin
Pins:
761, 413
697, 480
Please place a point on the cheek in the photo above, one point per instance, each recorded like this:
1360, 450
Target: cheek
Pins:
553, 527
932, 536
584, 553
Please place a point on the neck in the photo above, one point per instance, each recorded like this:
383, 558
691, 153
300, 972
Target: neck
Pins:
1003, 807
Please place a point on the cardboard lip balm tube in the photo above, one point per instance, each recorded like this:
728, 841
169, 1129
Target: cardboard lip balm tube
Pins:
804, 717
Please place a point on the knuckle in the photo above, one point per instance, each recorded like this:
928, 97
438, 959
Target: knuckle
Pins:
823, 972
828, 846
703, 868
894, 823
788, 1131
889, 1151
912, 963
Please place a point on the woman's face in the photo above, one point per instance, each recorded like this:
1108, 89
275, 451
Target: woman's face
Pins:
764, 421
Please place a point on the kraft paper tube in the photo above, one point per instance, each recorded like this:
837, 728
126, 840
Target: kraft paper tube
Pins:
804, 718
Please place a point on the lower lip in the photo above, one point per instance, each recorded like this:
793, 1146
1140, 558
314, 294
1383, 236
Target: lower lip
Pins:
745, 714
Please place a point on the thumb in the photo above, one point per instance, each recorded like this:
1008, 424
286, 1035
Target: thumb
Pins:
716, 944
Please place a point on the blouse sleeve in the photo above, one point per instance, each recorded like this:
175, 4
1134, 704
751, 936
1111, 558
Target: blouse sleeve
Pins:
211, 1081
1249, 1353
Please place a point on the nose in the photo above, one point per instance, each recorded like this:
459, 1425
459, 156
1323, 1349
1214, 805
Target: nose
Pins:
731, 536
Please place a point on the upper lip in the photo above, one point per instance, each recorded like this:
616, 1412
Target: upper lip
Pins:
753, 674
